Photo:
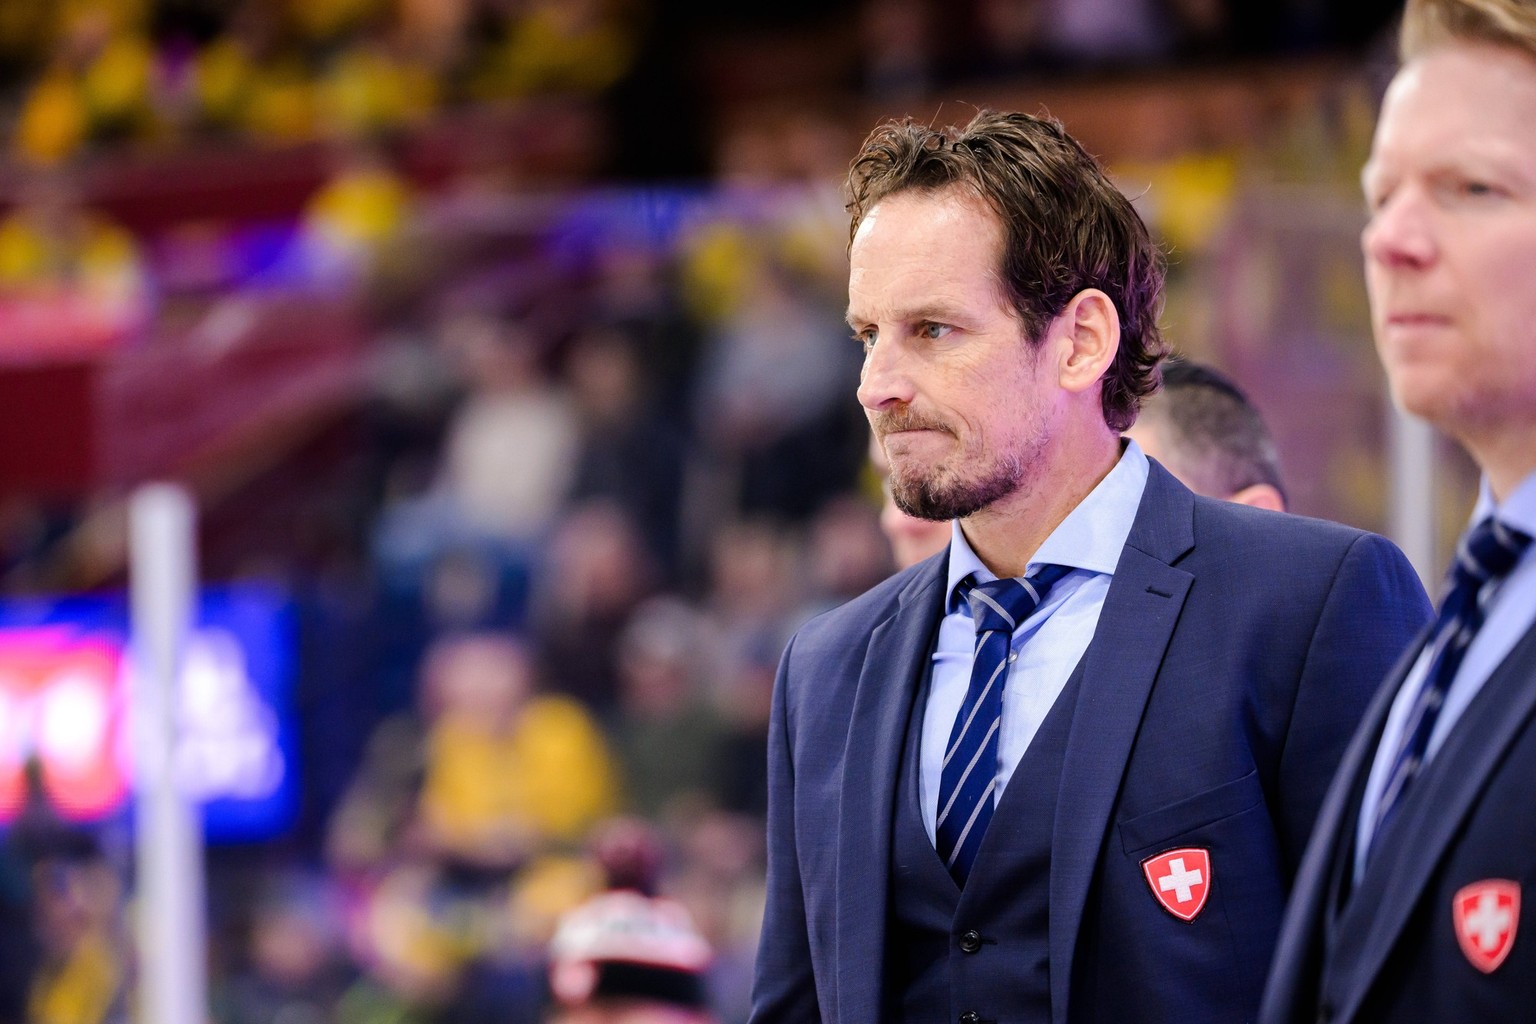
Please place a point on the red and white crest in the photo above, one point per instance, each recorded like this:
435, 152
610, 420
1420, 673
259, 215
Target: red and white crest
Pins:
1181, 880
1486, 915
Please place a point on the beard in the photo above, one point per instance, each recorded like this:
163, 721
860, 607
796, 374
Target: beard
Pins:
942, 500
943, 494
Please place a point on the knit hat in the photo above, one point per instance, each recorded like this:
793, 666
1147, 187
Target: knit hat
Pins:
621, 944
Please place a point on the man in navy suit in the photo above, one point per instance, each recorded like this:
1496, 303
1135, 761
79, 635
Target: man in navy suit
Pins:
1415, 900
1065, 769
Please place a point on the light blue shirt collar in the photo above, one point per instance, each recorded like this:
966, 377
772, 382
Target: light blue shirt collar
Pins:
1091, 537
1518, 510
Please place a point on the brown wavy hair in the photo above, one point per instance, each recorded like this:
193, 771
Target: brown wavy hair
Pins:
1066, 227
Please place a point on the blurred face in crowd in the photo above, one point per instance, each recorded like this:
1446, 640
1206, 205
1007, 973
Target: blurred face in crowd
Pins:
911, 539
1450, 248
483, 679
951, 385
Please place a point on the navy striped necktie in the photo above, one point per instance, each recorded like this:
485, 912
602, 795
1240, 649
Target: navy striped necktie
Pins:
1485, 555
968, 781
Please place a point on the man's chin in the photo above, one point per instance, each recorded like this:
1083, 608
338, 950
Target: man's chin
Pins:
1433, 405
938, 506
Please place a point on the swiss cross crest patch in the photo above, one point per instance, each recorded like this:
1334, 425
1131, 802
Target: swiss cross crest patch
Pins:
1181, 880
1486, 915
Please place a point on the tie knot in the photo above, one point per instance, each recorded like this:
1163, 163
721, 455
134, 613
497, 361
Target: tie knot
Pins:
1003, 604
1487, 552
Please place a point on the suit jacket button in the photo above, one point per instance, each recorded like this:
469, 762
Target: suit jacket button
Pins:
970, 1017
970, 941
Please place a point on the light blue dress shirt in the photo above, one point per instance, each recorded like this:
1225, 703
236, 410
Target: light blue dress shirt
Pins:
1048, 645
1511, 612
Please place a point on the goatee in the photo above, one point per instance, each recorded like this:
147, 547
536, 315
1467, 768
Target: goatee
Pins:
927, 498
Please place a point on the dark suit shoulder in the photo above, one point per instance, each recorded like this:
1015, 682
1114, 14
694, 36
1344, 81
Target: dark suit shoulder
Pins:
1226, 521
877, 603
1300, 554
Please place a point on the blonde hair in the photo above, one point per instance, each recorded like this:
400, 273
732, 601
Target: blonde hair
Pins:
1428, 24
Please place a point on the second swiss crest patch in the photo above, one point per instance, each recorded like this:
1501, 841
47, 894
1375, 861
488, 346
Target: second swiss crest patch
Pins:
1486, 914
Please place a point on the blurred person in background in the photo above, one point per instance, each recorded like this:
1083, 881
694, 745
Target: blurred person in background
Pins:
1414, 902
1206, 432
512, 443
769, 378
629, 955
507, 772
296, 967
506, 456
70, 277
79, 952
845, 554
487, 773
668, 734
911, 539
593, 574
743, 700
97, 83
65, 947
1101, 649
84, 974
719, 878
20, 946
750, 608
457, 841
347, 225
629, 452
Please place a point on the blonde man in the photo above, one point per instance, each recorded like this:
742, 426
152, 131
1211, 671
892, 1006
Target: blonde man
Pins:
1414, 902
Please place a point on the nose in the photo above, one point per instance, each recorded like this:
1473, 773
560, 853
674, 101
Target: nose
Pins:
884, 378
1400, 232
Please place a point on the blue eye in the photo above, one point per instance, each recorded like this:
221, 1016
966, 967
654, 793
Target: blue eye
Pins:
933, 331
1454, 189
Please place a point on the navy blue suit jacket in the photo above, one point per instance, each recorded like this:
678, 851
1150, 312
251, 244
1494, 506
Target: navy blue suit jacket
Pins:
1234, 655
1468, 818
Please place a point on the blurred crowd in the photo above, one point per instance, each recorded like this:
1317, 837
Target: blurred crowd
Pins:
85, 73
599, 463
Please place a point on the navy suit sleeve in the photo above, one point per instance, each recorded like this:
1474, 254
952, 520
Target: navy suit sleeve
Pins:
783, 988
1373, 610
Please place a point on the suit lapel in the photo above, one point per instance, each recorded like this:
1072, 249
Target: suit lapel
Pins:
1313, 900
1434, 815
1339, 817
894, 664
1140, 610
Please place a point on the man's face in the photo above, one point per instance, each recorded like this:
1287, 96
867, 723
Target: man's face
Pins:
1450, 249
950, 383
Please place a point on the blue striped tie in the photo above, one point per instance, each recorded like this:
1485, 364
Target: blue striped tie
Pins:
1486, 554
969, 776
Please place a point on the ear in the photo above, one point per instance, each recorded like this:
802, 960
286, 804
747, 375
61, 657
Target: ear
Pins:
1087, 334
1260, 496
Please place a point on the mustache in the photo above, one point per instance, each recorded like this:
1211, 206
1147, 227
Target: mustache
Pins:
896, 420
